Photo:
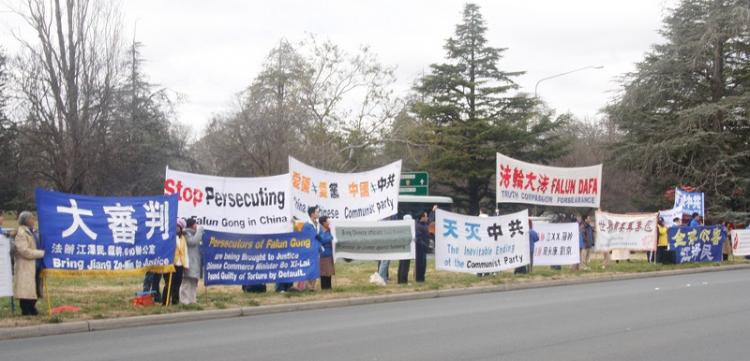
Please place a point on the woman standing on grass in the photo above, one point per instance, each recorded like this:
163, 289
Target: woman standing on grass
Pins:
326, 257
26, 255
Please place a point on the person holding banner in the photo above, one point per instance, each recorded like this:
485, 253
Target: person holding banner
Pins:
26, 255
189, 287
585, 242
662, 244
173, 281
422, 246
533, 238
695, 220
313, 214
327, 269
404, 264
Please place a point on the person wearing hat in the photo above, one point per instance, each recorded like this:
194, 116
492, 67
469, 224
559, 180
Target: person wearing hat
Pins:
173, 281
189, 287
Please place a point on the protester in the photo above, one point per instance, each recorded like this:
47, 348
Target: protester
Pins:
662, 245
173, 281
695, 220
404, 264
189, 287
726, 249
313, 214
677, 221
25, 268
422, 246
382, 273
589, 241
584, 243
151, 284
533, 238
327, 269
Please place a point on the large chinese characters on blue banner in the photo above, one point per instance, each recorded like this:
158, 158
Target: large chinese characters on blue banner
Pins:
247, 259
103, 234
690, 202
697, 244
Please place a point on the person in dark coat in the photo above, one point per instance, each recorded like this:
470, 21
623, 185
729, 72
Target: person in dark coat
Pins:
326, 257
422, 246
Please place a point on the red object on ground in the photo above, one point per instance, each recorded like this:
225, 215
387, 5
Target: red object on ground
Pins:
64, 308
145, 300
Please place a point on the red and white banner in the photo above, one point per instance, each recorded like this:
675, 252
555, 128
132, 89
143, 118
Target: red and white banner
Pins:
740, 242
234, 205
634, 232
365, 196
558, 244
521, 182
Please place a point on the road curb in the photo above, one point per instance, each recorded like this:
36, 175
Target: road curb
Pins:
150, 320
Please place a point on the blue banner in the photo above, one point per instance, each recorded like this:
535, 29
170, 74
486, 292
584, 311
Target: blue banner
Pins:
697, 244
690, 202
247, 259
84, 233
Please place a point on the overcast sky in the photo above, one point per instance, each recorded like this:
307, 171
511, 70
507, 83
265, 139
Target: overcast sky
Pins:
210, 50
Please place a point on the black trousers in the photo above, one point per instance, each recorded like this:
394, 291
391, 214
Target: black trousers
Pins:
403, 271
254, 288
284, 286
28, 307
421, 263
174, 290
662, 255
151, 284
325, 282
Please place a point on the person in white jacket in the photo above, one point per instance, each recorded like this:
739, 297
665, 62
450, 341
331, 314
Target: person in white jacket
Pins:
189, 286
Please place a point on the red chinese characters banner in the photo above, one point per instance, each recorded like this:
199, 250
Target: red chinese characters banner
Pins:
521, 182
635, 232
365, 196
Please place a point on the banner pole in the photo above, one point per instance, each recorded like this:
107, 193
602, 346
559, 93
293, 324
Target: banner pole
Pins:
169, 290
206, 289
46, 295
12, 306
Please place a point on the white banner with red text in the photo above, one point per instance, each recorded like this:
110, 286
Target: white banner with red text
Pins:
633, 232
558, 244
521, 182
233, 205
740, 242
365, 196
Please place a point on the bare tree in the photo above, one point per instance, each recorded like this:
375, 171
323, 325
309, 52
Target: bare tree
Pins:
67, 79
313, 101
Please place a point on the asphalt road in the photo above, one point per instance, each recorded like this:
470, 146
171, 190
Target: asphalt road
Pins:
690, 317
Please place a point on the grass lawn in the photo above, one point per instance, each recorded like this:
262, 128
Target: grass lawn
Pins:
108, 297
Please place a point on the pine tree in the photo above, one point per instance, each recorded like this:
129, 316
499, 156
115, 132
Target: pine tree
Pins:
684, 110
467, 103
